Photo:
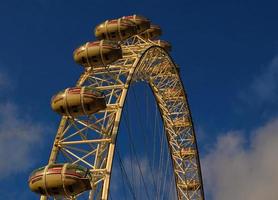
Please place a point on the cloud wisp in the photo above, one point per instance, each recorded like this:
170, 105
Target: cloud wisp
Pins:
19, 136
232, 171
158, 182
4, 81
264, 87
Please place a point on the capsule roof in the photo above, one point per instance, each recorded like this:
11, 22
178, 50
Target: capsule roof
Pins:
115, 29
142, 23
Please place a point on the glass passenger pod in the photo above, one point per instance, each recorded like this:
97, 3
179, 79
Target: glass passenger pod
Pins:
116, 29
142, 23
97, 54
152, 33
78, 101
60, 180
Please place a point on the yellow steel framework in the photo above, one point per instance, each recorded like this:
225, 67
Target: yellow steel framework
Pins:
90, 140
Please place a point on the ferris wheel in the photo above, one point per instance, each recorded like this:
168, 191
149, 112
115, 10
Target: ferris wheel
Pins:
82, 156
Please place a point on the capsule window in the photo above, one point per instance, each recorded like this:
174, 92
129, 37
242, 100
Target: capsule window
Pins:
74, 109
36, 180
106, 57
70, 188
83, 59
41, 190
94, 59
55, 190
88, 107
123, 33
113, 34
62, 109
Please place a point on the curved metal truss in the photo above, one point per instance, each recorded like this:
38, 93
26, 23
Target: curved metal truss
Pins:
90, 140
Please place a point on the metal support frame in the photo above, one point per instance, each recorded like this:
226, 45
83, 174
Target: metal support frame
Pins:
90, 140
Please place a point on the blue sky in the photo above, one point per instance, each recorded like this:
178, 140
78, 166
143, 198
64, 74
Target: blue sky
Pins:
228, 55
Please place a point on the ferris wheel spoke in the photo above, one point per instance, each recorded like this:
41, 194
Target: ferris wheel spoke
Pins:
131, 141
125, 176
146, 143
154, 136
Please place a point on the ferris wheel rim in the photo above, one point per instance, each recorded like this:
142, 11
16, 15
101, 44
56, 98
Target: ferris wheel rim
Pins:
137, 65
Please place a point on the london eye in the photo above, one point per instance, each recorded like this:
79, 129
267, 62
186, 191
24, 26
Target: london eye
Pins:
127, 51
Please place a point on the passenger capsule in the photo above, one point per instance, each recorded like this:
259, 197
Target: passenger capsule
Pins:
60, 180
78, 101
141, 22
153, 32
164, 44
116, 29
99, 53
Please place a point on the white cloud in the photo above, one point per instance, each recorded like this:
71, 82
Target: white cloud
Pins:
233, 172
264, 87
19, 137
4, 80
135, 178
